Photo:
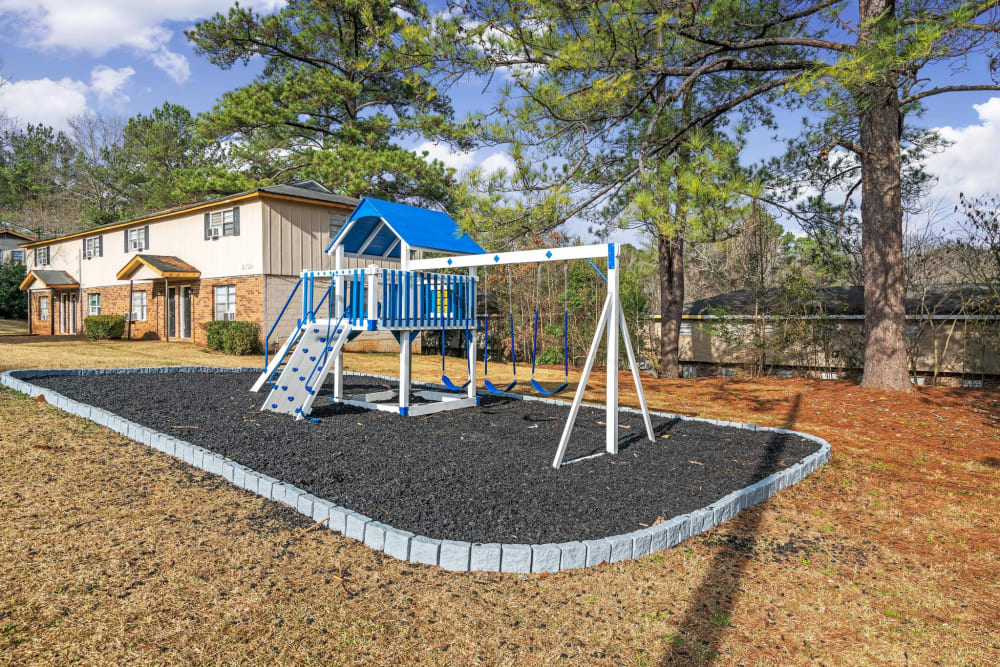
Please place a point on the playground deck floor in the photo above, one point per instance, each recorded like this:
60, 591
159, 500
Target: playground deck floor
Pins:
479, 474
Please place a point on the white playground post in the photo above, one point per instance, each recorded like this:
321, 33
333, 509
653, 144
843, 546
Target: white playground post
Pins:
405, 348
470, 344
611, 423
338, 311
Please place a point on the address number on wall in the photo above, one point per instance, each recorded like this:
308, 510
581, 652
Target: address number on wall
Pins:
246, 267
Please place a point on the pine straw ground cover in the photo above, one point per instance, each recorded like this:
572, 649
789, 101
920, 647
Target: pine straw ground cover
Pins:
889, 554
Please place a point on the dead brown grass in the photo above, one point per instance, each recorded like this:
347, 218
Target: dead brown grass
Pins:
889, 554
13, 327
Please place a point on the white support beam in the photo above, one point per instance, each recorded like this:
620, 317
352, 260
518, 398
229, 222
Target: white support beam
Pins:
635, 373
431, 408
371, 237
611, 428
338, 311
516, 257
470, 339
582, 386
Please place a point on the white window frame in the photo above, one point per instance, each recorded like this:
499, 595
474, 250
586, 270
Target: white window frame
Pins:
227, 302
686, 329
17, 256
48, 257
91, 247
137, 239
223, 221
92, 301
43, 309
138, 313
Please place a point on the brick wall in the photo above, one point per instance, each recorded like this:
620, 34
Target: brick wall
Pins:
115, 301
249, 302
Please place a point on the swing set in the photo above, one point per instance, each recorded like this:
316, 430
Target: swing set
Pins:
414, 299
489, 386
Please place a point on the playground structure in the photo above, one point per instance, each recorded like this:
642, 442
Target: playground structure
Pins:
413, 299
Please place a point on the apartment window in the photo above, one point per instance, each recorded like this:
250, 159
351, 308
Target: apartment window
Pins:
685, 329
93, 247
93, 304
222, 223
138, 306
43, 308
41, 256
137, 239
225, 302
17, 256
337, 220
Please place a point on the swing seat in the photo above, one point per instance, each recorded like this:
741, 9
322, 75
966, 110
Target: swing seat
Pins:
493, 390
542, 390
446, 381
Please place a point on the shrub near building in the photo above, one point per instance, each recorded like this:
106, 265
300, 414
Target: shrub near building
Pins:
104, 327
232, 336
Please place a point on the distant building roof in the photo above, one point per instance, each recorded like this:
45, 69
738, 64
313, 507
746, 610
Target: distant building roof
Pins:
309, 190
375, 228
952, 299
16, 230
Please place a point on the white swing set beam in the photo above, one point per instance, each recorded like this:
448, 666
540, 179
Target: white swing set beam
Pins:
612, 321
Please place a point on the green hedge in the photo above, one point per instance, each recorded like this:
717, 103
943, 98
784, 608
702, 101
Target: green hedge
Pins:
104, 327
232, 336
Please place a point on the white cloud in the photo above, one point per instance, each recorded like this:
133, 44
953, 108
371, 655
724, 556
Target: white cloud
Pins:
54, 102
174, 64
44, 101
969, 164
108, 83
99, 26
462, 161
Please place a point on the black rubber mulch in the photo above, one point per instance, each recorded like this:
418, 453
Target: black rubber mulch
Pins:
478, 474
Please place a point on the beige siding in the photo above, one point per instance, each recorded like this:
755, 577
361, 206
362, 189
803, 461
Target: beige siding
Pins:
182, 236
296, 236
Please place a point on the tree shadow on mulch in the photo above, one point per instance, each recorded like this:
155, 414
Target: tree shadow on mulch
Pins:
702, 626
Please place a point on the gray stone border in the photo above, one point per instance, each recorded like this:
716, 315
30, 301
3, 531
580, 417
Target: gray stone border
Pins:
451, 555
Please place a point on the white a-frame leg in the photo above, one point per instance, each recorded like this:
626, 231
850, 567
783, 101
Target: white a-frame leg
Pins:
612, 320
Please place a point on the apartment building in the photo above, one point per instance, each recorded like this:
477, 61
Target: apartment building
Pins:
174, 271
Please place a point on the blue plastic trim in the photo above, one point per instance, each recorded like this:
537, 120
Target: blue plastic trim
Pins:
603, 277
611, 256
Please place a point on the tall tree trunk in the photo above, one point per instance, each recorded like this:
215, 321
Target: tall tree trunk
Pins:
882, 223
671, 265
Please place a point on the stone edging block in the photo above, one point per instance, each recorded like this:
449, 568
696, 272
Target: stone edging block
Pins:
401, 544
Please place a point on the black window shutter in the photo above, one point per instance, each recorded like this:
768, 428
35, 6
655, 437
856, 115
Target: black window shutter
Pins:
100, 246
126, 241
208, 224
236, 221
145, 240
84, 255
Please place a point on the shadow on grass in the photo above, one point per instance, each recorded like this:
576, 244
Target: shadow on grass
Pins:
705, 621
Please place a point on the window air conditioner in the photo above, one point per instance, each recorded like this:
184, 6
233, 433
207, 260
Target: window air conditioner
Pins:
215, 233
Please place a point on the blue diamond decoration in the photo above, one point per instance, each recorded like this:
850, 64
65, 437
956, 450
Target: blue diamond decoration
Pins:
496, 258
449, 261
549, 254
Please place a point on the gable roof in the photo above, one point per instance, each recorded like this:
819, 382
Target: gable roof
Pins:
947, 299
167, 266
375, 228
48, 278
293, 192
16, 230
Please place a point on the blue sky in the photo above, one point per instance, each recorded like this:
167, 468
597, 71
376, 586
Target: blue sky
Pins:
66, 57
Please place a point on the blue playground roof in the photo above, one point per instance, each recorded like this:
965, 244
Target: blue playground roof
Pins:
375, 228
